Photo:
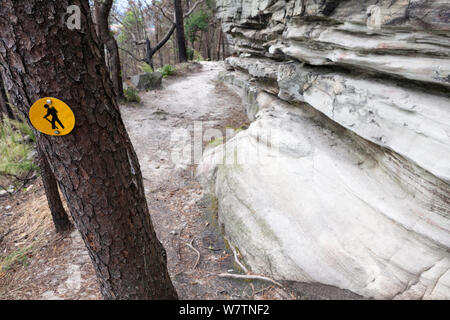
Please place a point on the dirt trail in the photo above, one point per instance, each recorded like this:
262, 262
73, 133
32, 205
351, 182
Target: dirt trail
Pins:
161, 130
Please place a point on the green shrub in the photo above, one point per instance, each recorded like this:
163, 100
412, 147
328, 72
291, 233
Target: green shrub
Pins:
198, 56
190, 53
16, 258
146, 68
167, 70
194, 55
14, 149
131, 95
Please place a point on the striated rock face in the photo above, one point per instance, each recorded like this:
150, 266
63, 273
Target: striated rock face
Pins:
343, 177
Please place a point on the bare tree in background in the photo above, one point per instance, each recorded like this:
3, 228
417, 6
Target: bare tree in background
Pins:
157, 12
181, 41
102, 9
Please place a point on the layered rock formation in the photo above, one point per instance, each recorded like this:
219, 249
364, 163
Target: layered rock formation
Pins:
343, 177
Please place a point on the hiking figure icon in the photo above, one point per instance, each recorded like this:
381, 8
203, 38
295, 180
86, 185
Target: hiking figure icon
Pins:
51, 111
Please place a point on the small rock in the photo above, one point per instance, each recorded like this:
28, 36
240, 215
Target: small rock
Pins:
7, 208
147, 81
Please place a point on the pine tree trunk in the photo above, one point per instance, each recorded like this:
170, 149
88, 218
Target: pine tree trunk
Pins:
182, 54
59, 215
95, 165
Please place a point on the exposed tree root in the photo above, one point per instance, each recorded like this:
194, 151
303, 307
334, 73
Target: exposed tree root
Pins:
190, 245
247, 276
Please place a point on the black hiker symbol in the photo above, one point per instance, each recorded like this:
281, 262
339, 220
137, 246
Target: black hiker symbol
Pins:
51, 111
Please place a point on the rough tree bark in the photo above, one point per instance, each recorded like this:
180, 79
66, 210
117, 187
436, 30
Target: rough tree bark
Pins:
95, 165
60, 218
107, 39
182, 54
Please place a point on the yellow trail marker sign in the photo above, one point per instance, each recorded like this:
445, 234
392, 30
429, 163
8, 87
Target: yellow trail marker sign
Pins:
52, 116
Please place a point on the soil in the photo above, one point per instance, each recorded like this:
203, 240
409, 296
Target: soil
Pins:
161, 127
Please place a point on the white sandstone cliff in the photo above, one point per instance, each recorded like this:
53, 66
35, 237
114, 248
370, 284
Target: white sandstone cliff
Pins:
343, 177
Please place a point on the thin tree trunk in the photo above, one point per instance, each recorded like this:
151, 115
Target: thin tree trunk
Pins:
193, 41
175, 51
59, 215
182, 54
157, 32
200, 45
222, 38
208, 45
96, 16
149, 53
111, 45
95, 164
5, 109
219, 43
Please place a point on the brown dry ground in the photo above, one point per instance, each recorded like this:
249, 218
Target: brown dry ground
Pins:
37, 263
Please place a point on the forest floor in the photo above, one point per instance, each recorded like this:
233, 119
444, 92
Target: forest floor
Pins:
37, 263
